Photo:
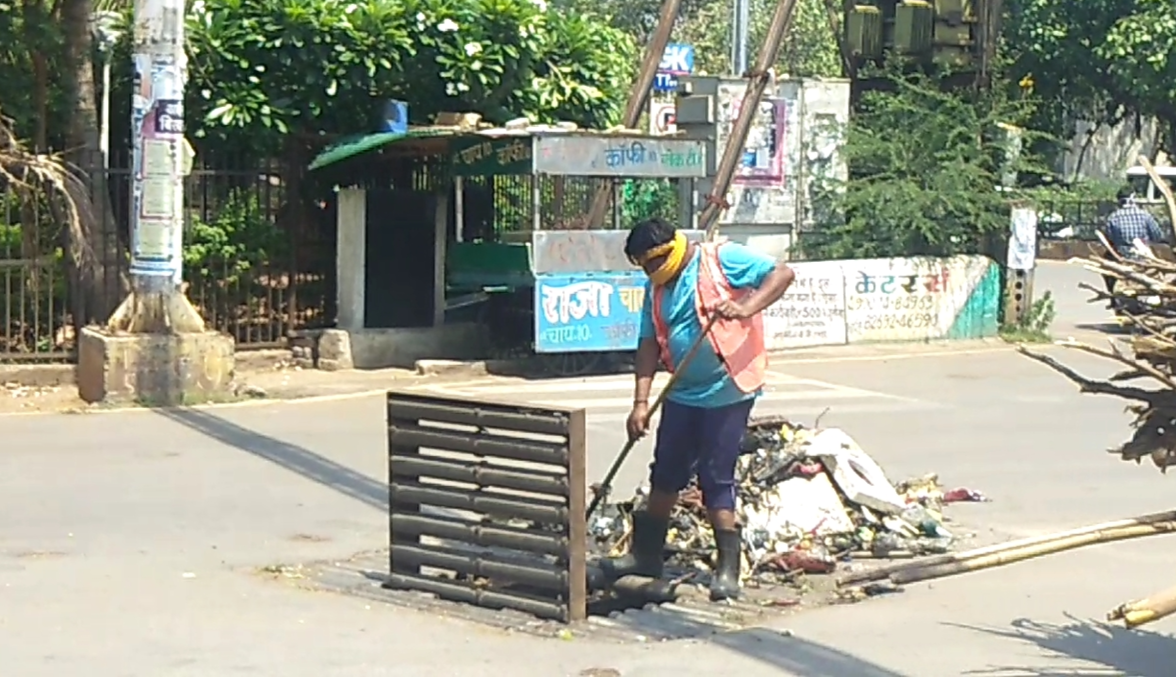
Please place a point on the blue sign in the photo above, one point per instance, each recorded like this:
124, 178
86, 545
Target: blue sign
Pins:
588, 312
665, 82
676, 60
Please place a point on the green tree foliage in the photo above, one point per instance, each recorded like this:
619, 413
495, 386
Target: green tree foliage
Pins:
926, 165
31, 71
265, 69
1096, 60
810, 48
233, 244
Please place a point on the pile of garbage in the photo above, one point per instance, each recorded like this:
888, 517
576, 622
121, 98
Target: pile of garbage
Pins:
807, 498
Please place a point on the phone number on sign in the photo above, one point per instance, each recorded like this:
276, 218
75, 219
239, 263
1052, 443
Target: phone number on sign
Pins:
891, 303
792, 312
874, 322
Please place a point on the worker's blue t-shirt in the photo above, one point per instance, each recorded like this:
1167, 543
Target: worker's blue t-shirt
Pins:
705, 381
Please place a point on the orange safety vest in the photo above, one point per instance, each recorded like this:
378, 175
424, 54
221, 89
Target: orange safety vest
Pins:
738, 343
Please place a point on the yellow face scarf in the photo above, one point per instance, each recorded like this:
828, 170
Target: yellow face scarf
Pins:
675, 253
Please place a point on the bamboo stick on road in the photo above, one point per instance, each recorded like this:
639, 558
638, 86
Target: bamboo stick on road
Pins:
1140, 612
1014, 551
1020, 554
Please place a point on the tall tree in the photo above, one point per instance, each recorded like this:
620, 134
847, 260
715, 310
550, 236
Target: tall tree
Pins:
30, 55
925, 168
1098, 61
100, 279
270, 72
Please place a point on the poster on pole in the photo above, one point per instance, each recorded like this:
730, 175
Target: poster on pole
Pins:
1022, 251
160, 154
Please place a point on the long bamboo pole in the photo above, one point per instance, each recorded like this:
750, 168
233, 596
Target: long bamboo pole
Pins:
638, 95
758, 80
1013, 555
1163, 521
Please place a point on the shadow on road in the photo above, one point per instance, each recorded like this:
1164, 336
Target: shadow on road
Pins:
1113, 328
798, 656
292, 457
1107, 649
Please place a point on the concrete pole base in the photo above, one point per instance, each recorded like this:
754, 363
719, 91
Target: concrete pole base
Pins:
154, 309
154, 369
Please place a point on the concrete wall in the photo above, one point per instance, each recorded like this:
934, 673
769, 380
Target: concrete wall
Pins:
1105, 152
882, 300
380, 348
792, 147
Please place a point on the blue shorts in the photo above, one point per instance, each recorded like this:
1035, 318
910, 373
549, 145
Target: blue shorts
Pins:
702, 441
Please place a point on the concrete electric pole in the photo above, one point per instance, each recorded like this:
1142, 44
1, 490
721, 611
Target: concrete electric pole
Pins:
155, 348
740, 27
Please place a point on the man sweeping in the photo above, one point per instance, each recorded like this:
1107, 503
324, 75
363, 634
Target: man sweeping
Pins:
707, 408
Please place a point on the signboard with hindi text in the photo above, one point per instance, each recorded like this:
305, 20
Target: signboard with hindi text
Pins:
811, 312
591, 312
479, 155
619, 156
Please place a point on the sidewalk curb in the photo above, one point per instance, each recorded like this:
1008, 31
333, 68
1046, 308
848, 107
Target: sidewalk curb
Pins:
470, 367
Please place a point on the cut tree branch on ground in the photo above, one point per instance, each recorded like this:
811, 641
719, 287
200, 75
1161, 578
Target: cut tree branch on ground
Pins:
1155, 416
1144, 297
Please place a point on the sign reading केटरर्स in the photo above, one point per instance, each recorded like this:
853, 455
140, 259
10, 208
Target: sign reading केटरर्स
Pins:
588, 312
889, 305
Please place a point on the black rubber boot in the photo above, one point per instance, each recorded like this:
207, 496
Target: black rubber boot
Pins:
725, 581
645, 550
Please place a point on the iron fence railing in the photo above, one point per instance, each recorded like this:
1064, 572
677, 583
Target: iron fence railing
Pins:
252, 260
259, 261
35, 322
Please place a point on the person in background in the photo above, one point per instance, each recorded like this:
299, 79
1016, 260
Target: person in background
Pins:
707, 409
1124, 225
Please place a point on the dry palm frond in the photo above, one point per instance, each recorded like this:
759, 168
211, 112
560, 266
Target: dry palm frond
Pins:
30, 176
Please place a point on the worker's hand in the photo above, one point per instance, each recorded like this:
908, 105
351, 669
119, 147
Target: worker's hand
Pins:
731, 310
638, 423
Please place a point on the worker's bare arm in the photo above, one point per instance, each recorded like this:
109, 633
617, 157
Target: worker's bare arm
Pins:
645, 367
773, 287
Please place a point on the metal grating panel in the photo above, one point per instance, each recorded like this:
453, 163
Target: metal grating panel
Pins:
487, 504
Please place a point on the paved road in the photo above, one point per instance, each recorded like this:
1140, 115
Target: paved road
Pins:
129, 542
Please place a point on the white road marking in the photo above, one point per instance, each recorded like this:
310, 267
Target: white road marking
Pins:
626, 402
615, 392
804, 413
